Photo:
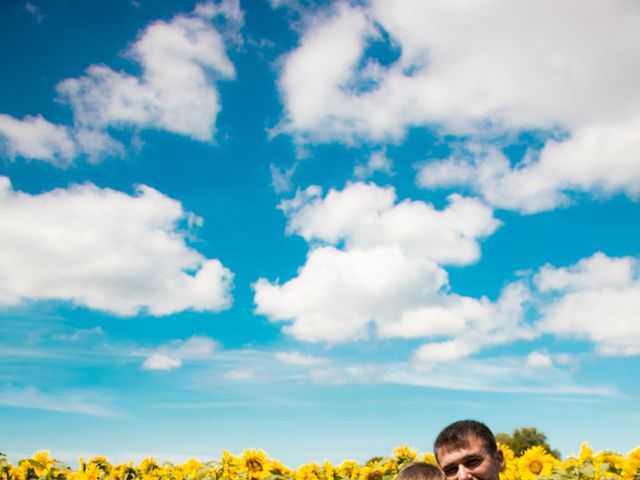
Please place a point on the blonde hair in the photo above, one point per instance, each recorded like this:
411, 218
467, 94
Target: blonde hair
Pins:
421, 471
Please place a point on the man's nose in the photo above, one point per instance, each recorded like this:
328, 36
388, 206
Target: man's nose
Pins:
464, 473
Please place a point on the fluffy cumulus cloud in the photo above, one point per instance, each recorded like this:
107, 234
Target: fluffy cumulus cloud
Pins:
597, 299
481, 69
337, 293
172, 355
36, 138
375, 268
175, 92
158, 361
599, 159
106, 250
469, 325
180, 60
366, 216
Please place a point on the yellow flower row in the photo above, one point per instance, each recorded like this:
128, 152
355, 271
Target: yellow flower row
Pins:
534, 464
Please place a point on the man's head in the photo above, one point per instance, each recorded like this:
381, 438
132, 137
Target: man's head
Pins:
466, 450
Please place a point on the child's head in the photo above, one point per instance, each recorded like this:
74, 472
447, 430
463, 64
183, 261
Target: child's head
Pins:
421, 471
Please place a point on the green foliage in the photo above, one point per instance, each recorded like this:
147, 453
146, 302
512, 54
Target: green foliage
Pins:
523, 438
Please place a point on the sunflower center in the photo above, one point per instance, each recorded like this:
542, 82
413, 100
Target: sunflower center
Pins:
535, 467
254, 465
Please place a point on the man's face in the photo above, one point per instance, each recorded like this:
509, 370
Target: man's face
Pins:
471, 462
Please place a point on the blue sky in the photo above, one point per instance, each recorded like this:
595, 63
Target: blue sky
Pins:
322, 229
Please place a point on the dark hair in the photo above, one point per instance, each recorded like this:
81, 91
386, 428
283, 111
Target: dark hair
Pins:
457, 435
420, 471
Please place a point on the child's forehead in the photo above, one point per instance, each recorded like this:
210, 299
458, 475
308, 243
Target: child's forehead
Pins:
420, 471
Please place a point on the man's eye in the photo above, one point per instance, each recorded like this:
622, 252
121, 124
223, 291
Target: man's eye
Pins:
473, 462
450, 471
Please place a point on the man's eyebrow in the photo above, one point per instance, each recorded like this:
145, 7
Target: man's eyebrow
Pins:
472, 456
466, 458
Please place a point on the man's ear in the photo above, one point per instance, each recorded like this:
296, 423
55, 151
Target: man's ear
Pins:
499, 456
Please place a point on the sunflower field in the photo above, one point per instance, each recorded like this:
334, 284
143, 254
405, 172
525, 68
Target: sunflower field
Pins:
534, 464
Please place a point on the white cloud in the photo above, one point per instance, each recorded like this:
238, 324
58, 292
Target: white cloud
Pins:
231, 14
281, 178
442, 351
445, 173
180, 60
158, 361
312, 74
382, 275
337, 293
36, 138
97, 144
539, 360
463, 64
598, 159
484, 69
196, 347
173, 93
69, 401
597, 299
592, 273
105, 250
474, 325
171, 355
296, 358
378, 162
367, 216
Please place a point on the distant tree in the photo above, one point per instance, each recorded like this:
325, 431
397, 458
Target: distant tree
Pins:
525, 437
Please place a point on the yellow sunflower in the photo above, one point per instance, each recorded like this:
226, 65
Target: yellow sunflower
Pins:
533, 462
43, 458
609, 464
586, 452
6, 468
92, 472
631, 465
349, 470
328, 471
429, 458
309, 471
570, 462
124, 471
510, 470
147, 467
404, 453
229, 466
369, 472
255, 464
25, 471
189, 470
280, 470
